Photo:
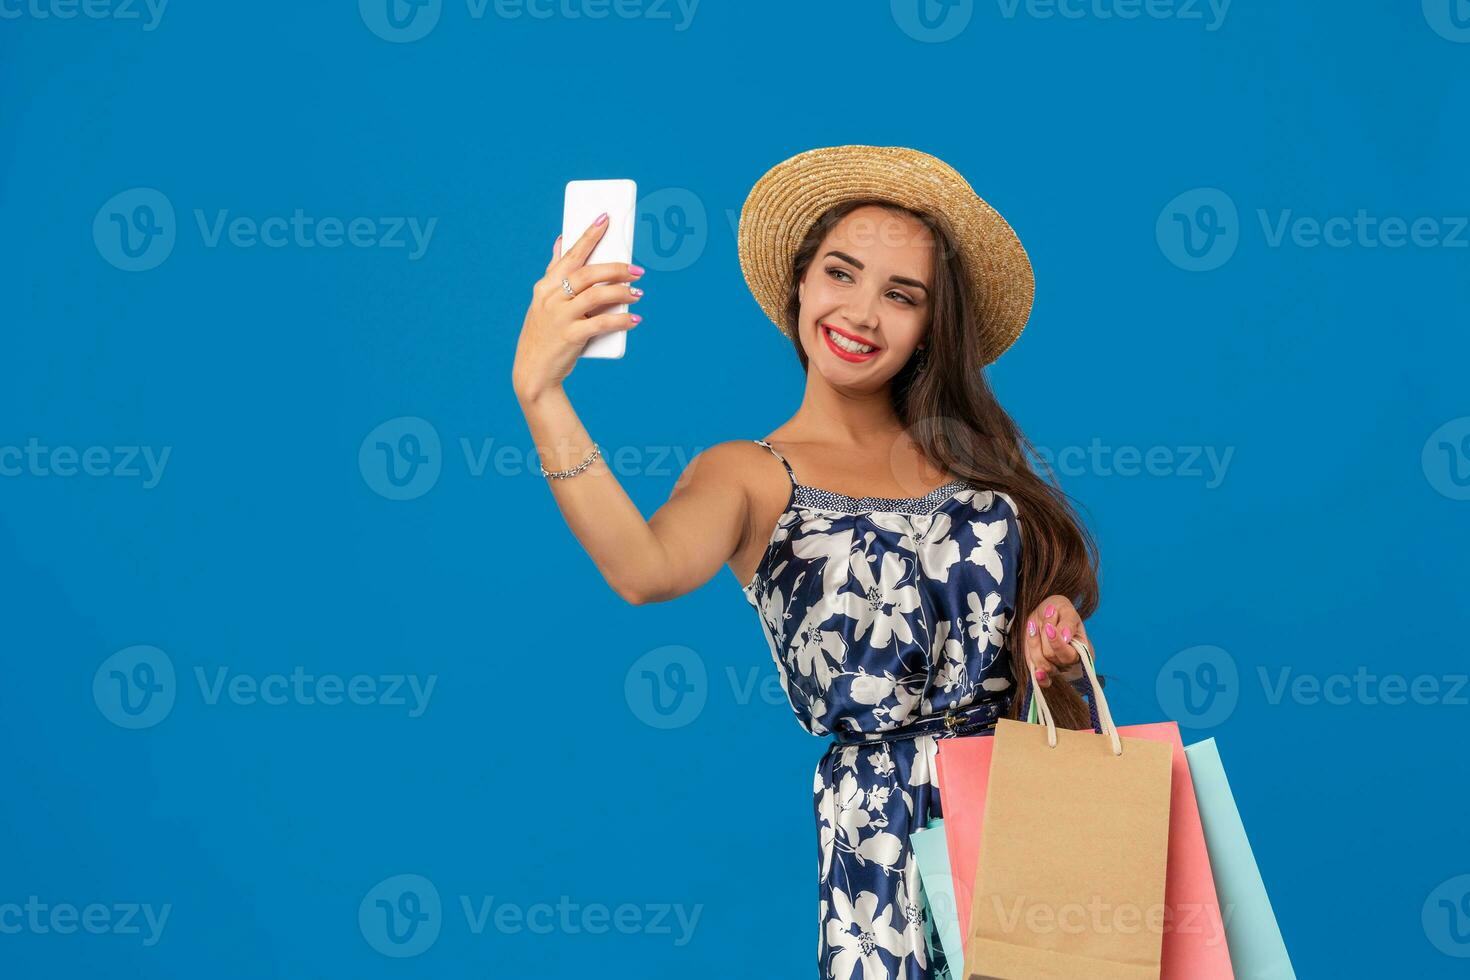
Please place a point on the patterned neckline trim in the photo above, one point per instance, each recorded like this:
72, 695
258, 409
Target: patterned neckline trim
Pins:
804, 497
815, 498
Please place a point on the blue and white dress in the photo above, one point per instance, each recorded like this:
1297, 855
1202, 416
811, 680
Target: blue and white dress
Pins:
888, 621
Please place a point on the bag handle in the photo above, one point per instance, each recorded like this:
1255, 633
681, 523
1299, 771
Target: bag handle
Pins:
1040, 709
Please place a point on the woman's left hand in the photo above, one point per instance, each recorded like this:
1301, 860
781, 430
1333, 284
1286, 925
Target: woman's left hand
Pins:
1048, 634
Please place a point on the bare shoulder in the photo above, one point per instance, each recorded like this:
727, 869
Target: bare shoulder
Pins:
725, 465
748, 478
745, 477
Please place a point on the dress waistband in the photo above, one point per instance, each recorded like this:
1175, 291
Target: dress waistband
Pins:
969, 720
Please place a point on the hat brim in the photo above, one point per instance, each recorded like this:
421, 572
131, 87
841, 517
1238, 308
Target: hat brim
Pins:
788, 199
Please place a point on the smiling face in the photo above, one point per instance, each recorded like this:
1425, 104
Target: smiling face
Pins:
865, 297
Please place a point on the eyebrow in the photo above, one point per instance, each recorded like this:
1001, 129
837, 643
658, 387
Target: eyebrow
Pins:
902, 280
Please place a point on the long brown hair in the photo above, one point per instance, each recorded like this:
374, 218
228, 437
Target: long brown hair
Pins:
953, 416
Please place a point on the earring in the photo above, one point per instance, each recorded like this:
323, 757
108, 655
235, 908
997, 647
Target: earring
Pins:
922, 356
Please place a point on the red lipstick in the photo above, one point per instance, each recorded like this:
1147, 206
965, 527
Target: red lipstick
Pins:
847, 355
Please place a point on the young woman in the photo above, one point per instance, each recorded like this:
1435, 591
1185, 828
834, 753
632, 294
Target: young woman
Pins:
888, 534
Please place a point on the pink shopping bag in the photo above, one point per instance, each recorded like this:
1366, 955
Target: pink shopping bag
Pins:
1194, 946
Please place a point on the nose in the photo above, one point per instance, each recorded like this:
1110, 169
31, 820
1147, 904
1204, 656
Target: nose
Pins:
861, 310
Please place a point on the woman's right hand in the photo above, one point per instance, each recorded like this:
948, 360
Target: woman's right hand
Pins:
557, 326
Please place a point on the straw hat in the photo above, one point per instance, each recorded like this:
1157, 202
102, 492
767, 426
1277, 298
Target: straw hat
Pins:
784, 204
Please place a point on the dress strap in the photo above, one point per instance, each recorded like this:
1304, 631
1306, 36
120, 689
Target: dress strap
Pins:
772, 448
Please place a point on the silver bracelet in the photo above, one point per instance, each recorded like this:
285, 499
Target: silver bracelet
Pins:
563, 474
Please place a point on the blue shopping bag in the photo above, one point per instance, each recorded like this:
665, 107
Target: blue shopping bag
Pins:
1256, 947
931, 850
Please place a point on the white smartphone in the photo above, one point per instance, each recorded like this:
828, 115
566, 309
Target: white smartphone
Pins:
585, 200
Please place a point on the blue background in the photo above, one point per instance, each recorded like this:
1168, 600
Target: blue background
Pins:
1335, 540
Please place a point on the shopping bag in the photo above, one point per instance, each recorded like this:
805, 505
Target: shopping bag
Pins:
932, 854
1256, 946
1071, 869
1195, 946
963, 767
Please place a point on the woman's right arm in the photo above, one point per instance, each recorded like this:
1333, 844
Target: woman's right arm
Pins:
700, 526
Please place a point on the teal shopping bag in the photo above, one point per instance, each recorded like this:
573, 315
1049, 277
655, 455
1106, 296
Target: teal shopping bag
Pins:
1256, 947
931, 850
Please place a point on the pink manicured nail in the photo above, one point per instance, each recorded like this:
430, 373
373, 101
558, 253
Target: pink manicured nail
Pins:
1050, 609
1066, 634
601, 218
635, 270
1051, 632
635, 290
635, 318
1030, 627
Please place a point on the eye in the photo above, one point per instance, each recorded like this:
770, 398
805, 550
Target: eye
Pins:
836, 271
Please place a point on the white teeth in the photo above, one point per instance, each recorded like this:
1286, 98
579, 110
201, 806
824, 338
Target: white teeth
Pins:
846, 344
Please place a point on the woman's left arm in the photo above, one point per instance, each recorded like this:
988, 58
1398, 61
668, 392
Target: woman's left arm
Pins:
1048, 634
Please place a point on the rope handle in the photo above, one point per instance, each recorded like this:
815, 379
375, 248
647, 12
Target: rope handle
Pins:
1038, 708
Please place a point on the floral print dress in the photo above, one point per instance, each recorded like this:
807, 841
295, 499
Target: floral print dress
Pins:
888, 621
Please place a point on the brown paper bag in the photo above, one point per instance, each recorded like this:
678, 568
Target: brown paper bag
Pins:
1070, 877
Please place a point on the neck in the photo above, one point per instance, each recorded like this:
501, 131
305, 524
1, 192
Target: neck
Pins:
845, 417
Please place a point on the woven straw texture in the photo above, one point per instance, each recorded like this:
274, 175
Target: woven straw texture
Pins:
784, 204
